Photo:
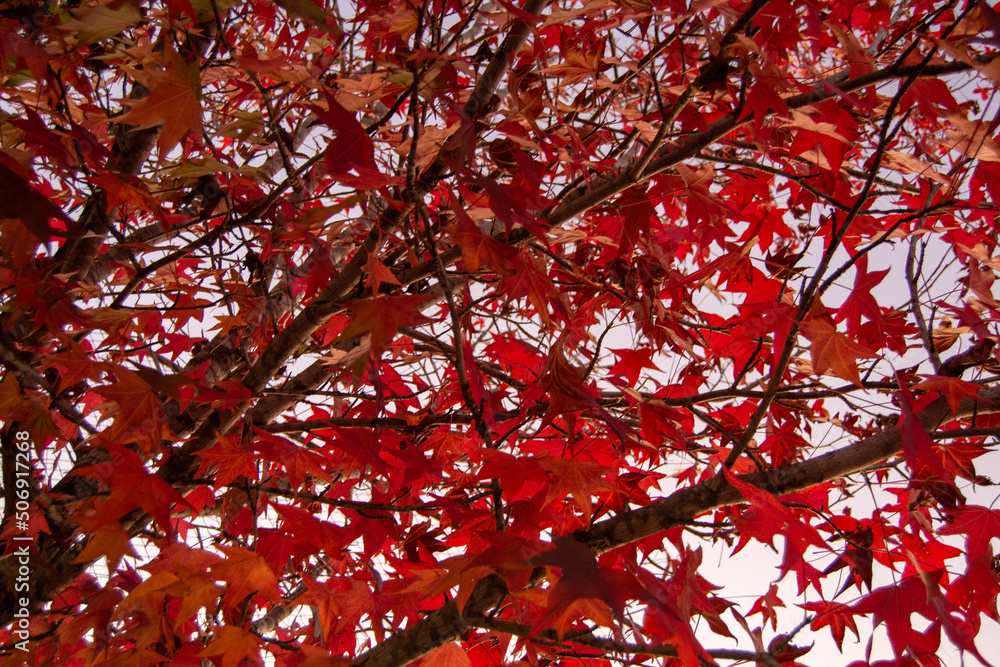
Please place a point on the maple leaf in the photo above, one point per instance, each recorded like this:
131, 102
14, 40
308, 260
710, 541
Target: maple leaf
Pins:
836, 616
579, 64
139, 417
768, 518
131, 486
578, 479
247, 573
316, 656
109, 541
234, 645
351, 148
978, 524
918, 448
379, 273
584, 588
831, 350
19, 200
481, 250
763, 98
228, 461
860, 302
173, 101
952, 388
381, 317
340, 603
447, 655
527, 281
767, 606
893, 605
91, 24
978, 590
637, 210
631, 363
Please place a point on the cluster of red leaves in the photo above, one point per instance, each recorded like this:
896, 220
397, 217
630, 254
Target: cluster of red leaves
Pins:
460, 332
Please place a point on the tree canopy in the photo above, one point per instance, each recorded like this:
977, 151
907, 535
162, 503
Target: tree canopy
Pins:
466, 331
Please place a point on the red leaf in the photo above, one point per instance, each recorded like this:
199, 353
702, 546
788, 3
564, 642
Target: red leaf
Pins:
831, 350
19, 200
768, 518
636, 210
379, 273
351, 148
228, 460
836, 616
860, 301
132, 486
632, 363
381, 317
952, 388
978, 524
894, 605
918, 448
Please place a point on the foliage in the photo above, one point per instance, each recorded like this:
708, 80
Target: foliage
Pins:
359, 333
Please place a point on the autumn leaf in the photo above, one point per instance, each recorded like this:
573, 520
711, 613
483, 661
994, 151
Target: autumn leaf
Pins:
978, 524
860, 302
768, 518
379, 273
351, 148
632, 363
918, 447
91, 24
235, 645
836, 616
109, 541
228, 460
173, 101
637, 210
447, 655
894, 606
20, 200
246, 573
952, 388
578, 480
831, 350
584, 587
132, 486
381, 317
139, 416
481, 250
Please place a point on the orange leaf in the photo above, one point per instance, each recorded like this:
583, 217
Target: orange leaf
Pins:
173, 101
318, 657
140, 416
246, 573
111, 542
229, 459
953, 389
831, 350
234, 645
449, 655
